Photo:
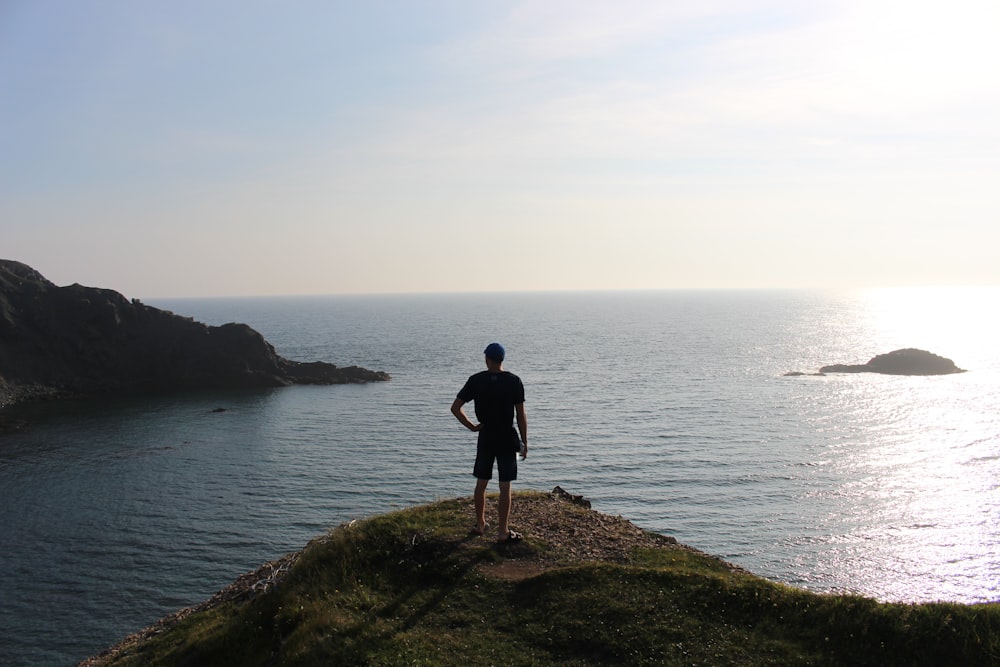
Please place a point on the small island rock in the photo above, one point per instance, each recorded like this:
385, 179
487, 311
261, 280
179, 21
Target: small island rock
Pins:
908, 361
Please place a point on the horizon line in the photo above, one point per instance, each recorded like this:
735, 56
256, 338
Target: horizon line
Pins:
609, 290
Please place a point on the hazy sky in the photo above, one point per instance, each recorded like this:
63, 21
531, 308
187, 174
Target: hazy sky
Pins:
224, 148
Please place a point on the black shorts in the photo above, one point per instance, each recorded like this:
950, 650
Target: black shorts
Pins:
506, 464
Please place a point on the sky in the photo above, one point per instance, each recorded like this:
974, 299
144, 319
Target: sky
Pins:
228, 148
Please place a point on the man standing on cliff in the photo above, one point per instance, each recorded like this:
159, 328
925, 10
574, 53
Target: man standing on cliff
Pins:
498, 397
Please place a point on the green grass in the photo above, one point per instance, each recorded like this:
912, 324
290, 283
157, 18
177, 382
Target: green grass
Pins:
408, 588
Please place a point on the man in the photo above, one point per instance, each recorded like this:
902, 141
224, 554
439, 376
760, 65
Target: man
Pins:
498, 397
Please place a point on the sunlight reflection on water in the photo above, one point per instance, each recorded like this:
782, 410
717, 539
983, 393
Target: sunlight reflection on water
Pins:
922, 471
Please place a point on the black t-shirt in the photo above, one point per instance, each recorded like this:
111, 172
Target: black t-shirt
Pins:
495, 395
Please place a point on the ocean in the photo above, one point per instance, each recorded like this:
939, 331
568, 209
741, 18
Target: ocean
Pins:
670, 408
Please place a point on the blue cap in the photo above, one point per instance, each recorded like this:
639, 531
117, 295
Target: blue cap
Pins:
495, 351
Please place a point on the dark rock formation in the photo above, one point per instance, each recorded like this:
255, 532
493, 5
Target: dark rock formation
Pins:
908, 361
75, 340
563, 494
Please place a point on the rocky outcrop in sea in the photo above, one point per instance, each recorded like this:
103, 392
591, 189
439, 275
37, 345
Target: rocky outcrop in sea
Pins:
908, 361
75, 340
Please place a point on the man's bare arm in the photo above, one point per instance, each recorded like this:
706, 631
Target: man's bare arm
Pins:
522, 425
456, 409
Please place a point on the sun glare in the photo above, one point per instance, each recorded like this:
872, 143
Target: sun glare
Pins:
929, 454
923, 53
954, 322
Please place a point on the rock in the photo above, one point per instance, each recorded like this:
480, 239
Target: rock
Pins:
76, 340
563, 494
908, 361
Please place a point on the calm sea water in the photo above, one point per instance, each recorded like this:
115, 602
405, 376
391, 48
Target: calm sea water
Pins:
669, 408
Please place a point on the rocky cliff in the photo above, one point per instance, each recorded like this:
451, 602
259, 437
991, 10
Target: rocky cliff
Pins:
76, 340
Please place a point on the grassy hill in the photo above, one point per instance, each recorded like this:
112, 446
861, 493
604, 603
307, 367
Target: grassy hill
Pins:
414, 587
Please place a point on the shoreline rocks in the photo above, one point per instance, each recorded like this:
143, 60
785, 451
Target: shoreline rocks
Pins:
59, 342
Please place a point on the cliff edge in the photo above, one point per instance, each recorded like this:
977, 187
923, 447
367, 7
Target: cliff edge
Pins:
415, 587
75, 340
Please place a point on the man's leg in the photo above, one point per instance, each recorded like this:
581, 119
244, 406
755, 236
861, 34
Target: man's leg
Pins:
480, 498
503, 507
